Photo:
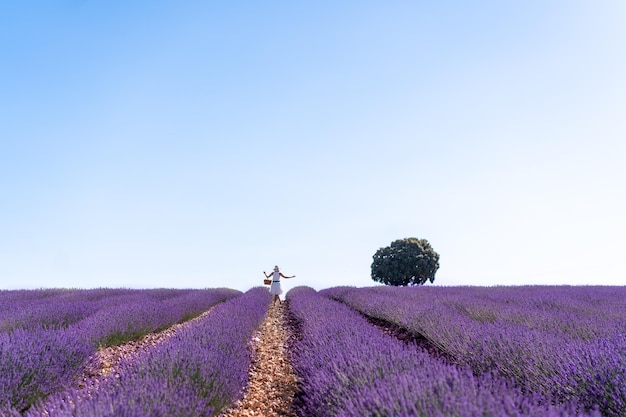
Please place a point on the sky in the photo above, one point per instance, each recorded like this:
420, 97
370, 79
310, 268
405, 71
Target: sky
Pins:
194, 144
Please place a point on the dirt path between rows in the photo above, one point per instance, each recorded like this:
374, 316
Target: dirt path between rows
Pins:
272, 380
106, 360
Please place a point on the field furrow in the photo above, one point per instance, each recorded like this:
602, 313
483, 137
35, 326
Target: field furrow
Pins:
107, 360
273, 382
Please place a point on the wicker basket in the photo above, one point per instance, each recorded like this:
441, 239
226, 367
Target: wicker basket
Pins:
267, 281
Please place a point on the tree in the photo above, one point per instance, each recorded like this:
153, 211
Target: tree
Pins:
409, 261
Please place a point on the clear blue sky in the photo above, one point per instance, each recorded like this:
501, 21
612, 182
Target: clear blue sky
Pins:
198, 143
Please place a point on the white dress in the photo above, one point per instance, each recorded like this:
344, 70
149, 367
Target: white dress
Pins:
275, 288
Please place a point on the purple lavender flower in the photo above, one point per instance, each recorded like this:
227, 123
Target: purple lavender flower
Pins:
196, 372
54, 332
348, 367
566, 342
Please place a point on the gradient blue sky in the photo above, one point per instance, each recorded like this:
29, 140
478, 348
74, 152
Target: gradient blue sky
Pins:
198, 143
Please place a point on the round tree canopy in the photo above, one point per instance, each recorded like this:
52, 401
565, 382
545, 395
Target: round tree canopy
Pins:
408, 261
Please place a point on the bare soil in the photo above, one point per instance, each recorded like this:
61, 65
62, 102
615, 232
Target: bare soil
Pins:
273, 382
410, 338
106, 360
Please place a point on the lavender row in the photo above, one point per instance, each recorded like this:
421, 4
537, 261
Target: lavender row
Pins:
569, 342
347, 367
33, 365
197, 372
59, 308
38, 362
142, 313
49, 308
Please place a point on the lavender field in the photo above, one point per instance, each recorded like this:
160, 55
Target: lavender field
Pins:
375, 351
565, 343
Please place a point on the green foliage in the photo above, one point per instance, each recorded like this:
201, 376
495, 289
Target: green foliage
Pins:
118, 338
409, 261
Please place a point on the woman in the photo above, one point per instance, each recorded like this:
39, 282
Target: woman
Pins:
275, 287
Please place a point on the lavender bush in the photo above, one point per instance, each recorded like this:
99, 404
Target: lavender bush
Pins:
197, 372
59, 308
347, 367
33, 365
27, 309
566, 341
